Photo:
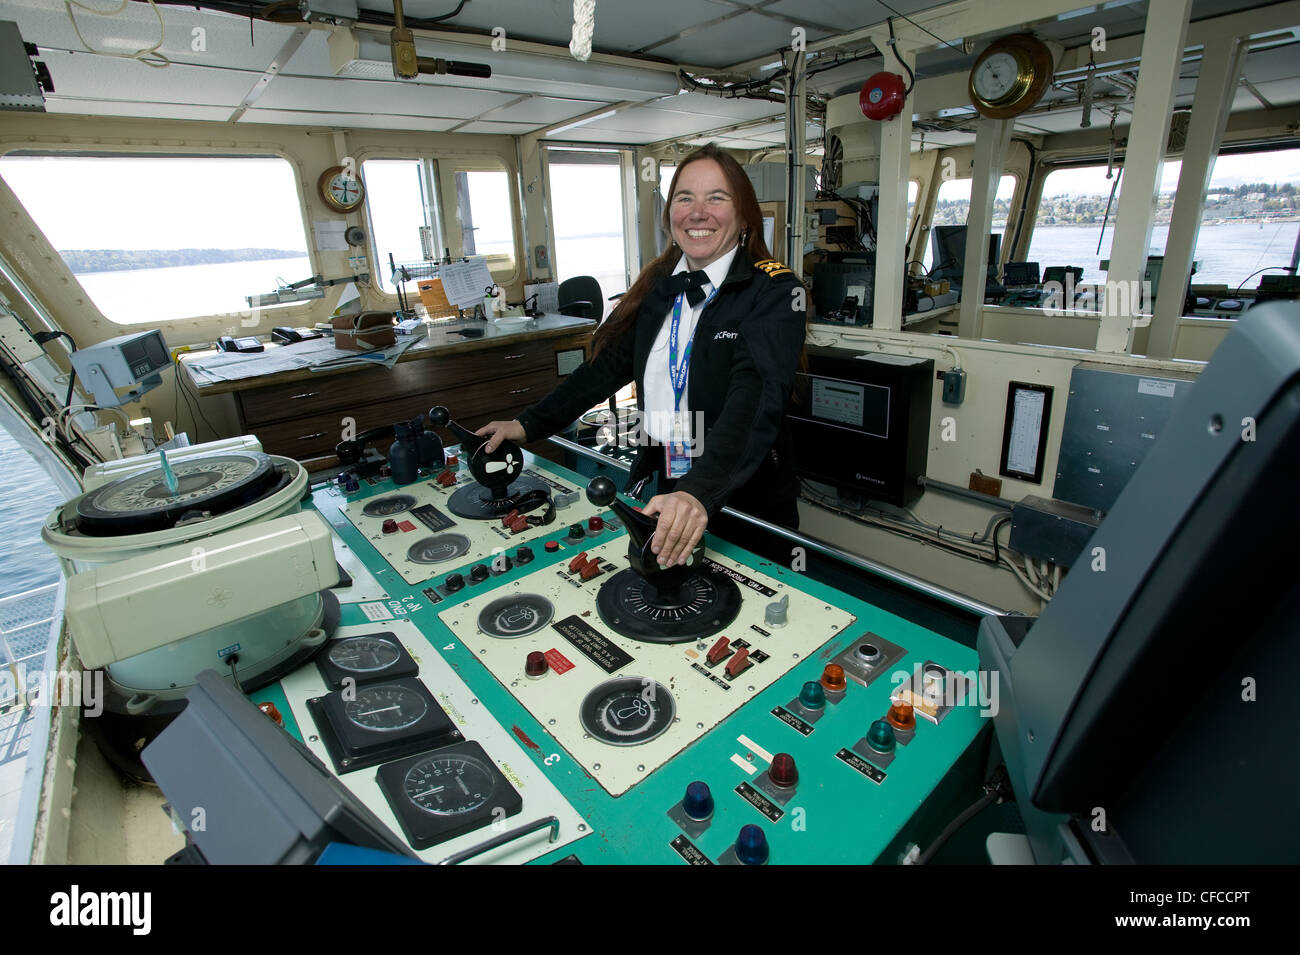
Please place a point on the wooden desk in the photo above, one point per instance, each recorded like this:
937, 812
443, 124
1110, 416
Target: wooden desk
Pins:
302, 414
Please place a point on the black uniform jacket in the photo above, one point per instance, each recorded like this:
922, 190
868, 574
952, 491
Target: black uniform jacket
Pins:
743, 362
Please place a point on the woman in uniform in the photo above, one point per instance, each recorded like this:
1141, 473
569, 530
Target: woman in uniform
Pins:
711, 331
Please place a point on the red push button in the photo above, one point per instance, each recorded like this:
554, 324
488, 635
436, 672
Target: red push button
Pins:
536, 664
596, 523
552, 546
782, 771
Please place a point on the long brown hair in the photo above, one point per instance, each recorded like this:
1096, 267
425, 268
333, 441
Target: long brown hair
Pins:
624, 314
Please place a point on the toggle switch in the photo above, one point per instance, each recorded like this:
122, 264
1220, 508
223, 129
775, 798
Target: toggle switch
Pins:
578, 562
592, 569
739, 663
719, 650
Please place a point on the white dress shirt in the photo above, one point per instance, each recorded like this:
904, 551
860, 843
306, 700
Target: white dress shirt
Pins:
658, 396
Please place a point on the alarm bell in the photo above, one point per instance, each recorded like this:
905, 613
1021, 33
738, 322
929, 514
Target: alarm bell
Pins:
882, 96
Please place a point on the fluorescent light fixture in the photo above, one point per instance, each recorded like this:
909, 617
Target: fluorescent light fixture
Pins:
583, 122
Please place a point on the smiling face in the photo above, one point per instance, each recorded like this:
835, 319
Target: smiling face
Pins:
705, 223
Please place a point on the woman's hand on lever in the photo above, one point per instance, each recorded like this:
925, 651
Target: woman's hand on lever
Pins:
501, 431
682, 519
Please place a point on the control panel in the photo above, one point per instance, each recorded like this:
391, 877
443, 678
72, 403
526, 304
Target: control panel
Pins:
733, 711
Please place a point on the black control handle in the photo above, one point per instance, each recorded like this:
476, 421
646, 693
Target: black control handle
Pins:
496, 470
640, 531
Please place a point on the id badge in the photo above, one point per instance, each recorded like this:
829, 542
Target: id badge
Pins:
678, 450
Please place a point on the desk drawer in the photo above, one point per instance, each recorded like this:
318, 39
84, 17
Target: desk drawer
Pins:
471, 405
422, 376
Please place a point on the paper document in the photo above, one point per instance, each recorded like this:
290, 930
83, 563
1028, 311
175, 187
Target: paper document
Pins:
465, 282
315, 354
548, 296
329, 235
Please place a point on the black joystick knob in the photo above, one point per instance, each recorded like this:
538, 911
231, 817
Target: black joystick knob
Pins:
478, 573
601, 492
497, 470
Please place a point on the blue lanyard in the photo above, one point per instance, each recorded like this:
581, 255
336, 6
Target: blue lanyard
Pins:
677, 373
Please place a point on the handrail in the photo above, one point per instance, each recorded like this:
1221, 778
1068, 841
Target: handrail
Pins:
951, 597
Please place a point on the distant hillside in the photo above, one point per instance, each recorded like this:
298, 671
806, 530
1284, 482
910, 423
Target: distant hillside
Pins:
126, 260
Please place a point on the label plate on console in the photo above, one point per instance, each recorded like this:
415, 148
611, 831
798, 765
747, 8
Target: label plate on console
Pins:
432, 518
861, 765
591, 644
689, 853
714, 567
760, 802
792, 721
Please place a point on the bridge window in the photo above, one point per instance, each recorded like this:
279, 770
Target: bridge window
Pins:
952, 207
157, 238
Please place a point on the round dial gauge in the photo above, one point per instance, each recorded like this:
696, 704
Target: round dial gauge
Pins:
449, 785
1010, 76
627, 711
998, 77
339, 190
143, 502
364, 654
386, 708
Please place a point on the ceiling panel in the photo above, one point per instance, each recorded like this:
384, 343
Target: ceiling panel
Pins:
103, 77
543, 110
344, 120
727, 110
385, 96
226, 37
500, 129
88, 107
745, 37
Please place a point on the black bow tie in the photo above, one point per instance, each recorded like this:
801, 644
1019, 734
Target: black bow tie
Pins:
692, 283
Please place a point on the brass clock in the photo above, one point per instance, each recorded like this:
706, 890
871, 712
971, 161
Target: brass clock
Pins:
1010, 76
340, 190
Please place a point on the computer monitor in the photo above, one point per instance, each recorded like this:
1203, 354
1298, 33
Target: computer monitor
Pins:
1020, 274
844, 276
948, 252
263, 797
1139, 692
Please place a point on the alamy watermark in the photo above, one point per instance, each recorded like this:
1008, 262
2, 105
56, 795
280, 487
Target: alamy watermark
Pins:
84, 688
1112, 299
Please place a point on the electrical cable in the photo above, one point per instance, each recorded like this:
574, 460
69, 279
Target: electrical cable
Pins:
893, 45
921, 28
41, 338
158, 61
1267, 268
997, 789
